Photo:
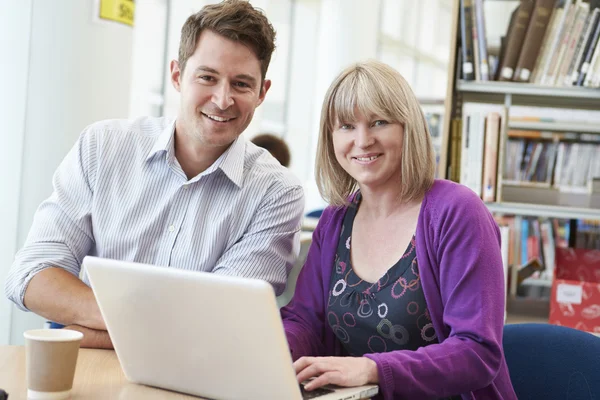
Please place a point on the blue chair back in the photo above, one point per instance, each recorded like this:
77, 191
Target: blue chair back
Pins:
552, 362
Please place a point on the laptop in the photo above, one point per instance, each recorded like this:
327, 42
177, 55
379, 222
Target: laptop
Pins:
199, 333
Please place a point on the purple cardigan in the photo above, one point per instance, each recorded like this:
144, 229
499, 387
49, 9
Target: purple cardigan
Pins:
458, 251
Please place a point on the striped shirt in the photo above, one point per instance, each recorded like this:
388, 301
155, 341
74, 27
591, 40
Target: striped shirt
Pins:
121, 194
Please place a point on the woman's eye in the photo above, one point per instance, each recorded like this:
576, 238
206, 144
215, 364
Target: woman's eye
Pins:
380, 122
345, 126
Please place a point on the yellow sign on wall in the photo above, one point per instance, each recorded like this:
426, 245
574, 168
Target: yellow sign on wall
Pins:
122, 11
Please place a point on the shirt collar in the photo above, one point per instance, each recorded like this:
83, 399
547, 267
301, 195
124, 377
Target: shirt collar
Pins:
232, 161
164, 142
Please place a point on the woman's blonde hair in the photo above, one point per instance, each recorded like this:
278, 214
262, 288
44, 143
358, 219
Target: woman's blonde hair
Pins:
374, 88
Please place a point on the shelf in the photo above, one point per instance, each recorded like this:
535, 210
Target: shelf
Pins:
538, 185
539, 210
554, 126
527, 89
537, 282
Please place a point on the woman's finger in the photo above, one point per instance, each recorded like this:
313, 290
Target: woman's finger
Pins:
330, 377
317, 368
302, 363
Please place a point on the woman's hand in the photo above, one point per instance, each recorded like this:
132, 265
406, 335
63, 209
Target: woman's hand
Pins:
341, 371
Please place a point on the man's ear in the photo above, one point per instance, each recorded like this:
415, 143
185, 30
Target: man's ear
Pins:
263, 91
176, 75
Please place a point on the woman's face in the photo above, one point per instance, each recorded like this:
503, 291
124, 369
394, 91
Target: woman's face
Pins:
370, 150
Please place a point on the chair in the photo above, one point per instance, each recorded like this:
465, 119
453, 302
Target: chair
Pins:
552, 362
314, 213
284, 298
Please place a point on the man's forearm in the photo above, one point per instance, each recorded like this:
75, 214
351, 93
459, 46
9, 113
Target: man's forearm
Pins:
61, 297
92, 338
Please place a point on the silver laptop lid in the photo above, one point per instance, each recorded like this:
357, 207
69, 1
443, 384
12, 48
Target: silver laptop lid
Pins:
194, 332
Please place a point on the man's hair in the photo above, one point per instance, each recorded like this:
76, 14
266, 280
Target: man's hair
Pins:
236, 20
274, 145
374, 88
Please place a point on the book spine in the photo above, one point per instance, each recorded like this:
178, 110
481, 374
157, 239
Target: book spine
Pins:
569, 43
568, 79
584, 46
482, 42
588, 56
514, 38
466, 32
490, 157
542, 13
560, 46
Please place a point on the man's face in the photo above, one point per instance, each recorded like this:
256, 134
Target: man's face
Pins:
220, 89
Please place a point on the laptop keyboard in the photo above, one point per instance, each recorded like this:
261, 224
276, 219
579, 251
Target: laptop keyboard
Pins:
314, 393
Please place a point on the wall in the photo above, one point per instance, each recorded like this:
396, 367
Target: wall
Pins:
15, 22
78, 71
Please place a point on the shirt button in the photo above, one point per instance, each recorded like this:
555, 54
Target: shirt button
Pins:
171, 228
186, 187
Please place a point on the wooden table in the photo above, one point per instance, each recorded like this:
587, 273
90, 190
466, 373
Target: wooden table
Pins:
98, 376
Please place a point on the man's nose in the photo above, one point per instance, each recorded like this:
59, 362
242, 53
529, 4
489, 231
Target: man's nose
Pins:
222, 97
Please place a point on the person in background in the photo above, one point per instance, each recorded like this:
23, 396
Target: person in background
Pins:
187, 193
274, 145
403, 285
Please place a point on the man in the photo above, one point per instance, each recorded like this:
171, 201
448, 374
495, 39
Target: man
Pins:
190, 193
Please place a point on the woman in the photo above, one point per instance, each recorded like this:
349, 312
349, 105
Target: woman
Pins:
403, 284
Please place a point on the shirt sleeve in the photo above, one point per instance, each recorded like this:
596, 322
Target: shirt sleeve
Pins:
269, 247
304, 317
61, 233
467, 255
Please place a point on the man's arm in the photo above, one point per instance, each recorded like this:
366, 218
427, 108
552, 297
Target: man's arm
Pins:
92, 338
44, 275
270, 245
61, 297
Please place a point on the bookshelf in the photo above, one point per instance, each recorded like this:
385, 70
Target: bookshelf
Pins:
554, 126
540, 210
563, 95
545, 199
525, 198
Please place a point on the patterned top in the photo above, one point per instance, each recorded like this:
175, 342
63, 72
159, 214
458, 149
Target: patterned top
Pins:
390, 314
387, 315
120, 193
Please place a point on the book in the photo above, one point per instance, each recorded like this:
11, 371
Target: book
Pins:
490, 157
583, 46
572, 44
517, 29
553, 36
484, 69
466, 34
559, 44
593, 66
532, 43
587, 58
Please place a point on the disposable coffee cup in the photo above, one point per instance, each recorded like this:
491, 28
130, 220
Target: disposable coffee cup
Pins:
51, 358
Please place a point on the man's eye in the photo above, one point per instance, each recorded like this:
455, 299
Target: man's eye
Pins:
207, 78
242, 84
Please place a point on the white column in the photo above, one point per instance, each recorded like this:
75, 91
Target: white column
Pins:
68, 69
15, 24
342, 32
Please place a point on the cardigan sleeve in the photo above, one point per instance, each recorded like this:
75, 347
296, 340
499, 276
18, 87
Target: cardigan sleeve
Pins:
304, 317
465, 263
